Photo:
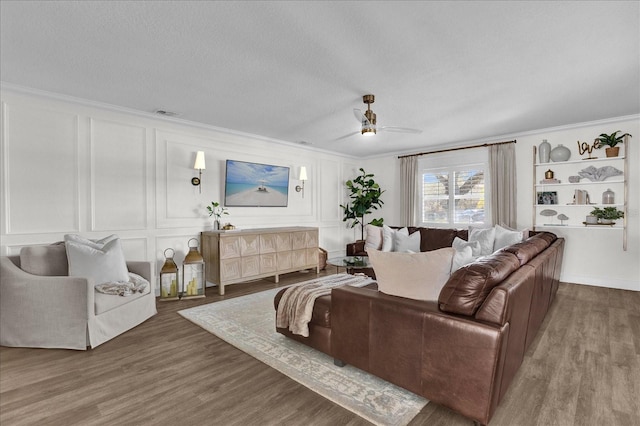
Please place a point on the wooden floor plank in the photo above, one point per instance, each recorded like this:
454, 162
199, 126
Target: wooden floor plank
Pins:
584, 366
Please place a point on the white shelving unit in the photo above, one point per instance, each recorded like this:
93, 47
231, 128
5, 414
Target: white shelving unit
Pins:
565, 191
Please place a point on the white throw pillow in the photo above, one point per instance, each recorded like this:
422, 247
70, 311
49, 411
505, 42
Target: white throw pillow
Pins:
406, 243
462, 257
485, 236
101, 260
374, 237
387, 237
459, 244
419, 276
506, 237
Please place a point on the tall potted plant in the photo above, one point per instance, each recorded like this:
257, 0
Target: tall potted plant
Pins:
611, 141
364, 197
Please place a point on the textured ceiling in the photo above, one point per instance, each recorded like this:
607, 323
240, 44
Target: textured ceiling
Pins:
294, 71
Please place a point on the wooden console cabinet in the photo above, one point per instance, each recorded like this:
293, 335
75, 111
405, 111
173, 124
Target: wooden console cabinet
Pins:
242, 255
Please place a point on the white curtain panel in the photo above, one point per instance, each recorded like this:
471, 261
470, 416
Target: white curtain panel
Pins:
408, 190
502, 164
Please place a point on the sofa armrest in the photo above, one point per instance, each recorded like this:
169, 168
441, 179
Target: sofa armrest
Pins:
356, 249
43, 311
142, 268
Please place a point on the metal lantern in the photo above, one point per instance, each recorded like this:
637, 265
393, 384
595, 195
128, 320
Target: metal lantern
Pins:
169, 278
193, 273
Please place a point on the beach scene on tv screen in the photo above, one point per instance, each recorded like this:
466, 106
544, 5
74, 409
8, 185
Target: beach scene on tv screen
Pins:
253, 184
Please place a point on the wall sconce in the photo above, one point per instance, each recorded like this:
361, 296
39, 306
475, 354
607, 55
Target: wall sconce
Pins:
199, 165
302, 178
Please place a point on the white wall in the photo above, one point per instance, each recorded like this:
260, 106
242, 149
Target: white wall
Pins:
592, 256
72, 166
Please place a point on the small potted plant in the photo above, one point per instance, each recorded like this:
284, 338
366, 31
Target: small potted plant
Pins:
215, 209
607, 215
611, 141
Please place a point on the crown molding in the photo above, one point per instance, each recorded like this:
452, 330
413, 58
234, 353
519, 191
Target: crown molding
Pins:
23, 90
512, 136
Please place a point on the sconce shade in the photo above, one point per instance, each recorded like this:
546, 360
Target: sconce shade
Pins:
303, 173
200, 164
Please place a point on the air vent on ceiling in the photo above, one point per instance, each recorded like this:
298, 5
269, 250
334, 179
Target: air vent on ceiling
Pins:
166, 113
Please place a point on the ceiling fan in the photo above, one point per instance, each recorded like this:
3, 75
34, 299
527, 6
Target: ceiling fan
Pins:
368, 121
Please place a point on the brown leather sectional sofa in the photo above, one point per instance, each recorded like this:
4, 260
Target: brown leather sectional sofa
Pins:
462, 351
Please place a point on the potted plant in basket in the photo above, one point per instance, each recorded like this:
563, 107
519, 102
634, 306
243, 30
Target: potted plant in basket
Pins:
215, 209
607, 215
365, 195
611, 141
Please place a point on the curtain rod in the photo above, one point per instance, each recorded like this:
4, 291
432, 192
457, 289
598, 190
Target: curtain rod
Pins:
456, 149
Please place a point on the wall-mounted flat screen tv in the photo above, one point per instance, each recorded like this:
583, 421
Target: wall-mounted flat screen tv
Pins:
255, 185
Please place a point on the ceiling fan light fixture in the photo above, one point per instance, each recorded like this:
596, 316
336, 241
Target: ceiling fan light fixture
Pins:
368, 131
369, 120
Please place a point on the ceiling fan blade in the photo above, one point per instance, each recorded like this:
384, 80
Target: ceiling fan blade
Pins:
346, 136
362, 119
396, 129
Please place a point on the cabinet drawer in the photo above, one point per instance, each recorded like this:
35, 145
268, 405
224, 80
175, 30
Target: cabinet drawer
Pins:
312, 256
230, 269
249, 245
250, 266
268, 263
283, 241
298, 258
268, 243
284, 261
229, 247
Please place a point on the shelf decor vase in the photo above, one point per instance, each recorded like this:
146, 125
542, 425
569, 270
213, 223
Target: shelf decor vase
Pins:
543, 151
560, 153
608, 197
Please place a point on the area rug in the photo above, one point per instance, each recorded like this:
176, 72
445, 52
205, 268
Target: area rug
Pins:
248, 323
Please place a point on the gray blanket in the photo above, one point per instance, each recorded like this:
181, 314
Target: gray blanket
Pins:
296, 306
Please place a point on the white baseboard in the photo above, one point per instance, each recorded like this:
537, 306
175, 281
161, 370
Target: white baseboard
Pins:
601, 282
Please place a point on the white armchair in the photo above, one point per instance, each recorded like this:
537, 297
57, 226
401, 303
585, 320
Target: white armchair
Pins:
43, 311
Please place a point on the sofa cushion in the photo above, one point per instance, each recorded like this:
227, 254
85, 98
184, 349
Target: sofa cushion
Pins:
463, 256
468, 287
100, 260
474, 246
48, 260
389, 236
373, 238
436, 238
528, 249
486, 238
412, 275
106, 302
547, 236
406, 243
506, 237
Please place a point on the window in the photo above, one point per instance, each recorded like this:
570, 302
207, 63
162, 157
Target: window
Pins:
453, 195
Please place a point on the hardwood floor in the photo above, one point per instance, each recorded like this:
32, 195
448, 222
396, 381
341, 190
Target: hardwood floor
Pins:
582, 369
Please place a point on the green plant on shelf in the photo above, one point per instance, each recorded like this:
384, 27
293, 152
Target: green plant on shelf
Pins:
610, 140
607, 213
